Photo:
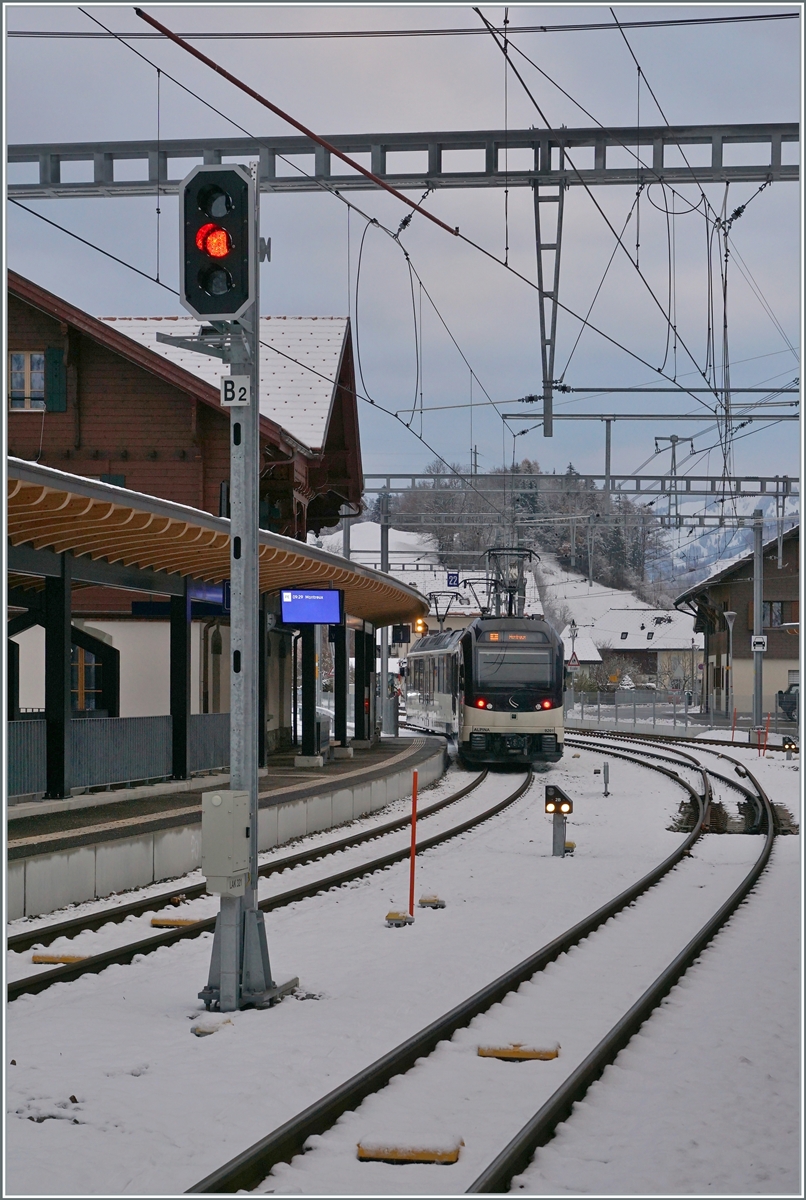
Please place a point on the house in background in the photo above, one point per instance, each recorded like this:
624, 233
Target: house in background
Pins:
729, 588
660, 646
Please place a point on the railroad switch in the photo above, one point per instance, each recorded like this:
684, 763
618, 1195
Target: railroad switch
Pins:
396, 920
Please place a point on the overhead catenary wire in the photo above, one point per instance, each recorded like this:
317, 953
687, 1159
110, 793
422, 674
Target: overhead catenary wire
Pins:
305, 366
462, 237
599, 208
469, 31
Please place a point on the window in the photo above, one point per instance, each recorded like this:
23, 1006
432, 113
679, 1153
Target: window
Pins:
650, 635
26, 380
509, 666
85, 679
773, 611
624, 637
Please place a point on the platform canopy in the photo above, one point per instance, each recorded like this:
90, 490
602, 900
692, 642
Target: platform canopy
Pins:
126, 539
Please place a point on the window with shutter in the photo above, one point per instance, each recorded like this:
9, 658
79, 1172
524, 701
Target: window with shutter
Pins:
55, 380
26, 380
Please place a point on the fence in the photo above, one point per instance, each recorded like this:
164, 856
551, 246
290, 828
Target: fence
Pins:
651, 708
209, 741
113, 750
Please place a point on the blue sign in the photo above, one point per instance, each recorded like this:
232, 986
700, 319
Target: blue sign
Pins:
453, 579
311, 606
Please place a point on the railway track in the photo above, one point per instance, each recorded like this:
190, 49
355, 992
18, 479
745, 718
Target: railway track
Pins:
123, 955
250, 1168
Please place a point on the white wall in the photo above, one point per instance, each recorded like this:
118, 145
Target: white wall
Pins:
32, 667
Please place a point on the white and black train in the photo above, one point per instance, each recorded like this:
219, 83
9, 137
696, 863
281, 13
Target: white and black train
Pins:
497, 686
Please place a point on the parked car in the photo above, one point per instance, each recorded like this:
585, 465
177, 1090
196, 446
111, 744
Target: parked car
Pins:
788, 701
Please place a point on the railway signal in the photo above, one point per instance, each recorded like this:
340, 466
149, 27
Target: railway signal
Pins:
217, 236
559, 805
420, 626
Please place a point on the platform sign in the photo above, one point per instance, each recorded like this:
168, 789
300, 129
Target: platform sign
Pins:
312, 606
453, 579
758, 642
236, 391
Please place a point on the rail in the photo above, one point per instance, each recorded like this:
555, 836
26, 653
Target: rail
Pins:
248, 1169
32, 984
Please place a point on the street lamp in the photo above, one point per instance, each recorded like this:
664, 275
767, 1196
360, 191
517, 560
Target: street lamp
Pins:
730, 617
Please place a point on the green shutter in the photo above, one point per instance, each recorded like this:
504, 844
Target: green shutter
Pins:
55, 380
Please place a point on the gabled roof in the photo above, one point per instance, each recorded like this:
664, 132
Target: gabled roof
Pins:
724, 569
300, 360
316, 342
645, 629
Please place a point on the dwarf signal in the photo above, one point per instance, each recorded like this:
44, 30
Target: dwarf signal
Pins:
557, 801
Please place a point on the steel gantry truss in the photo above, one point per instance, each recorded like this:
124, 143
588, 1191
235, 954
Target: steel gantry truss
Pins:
552, 170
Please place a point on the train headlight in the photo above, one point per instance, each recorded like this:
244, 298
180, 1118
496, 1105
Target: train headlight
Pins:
545, 704
483, 704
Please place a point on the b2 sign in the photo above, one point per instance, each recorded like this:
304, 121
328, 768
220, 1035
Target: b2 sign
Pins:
235, 391
310, 606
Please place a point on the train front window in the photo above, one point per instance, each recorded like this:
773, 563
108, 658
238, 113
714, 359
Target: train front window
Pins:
514, 666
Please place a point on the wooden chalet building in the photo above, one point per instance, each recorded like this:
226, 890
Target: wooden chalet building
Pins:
104, 399
729, 588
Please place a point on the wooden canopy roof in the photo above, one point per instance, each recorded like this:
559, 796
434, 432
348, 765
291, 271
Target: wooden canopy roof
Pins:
62, 513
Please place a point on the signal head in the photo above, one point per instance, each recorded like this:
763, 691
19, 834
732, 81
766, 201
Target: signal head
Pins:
218, 255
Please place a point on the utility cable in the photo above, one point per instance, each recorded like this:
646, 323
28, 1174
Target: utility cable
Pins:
314, 137
330, 34
601, 211
366, 217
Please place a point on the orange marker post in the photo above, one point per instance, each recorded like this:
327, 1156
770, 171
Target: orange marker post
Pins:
413, 840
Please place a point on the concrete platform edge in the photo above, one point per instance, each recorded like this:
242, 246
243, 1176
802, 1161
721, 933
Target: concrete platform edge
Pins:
43, 883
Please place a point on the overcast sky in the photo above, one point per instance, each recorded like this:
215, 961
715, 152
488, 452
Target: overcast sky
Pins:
85, 90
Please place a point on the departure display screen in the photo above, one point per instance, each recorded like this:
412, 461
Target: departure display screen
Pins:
312, 606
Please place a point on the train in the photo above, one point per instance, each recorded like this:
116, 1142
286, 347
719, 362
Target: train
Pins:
495, 687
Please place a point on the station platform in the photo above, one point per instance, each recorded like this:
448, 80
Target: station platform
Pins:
86, 847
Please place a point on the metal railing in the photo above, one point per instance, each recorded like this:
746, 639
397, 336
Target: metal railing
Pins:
112, 750
209, 741
27, 761
651, 708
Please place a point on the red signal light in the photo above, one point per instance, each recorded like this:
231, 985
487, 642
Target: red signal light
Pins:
213, 240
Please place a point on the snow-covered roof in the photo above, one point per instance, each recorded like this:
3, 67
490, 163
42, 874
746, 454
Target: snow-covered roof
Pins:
293, 396
639, 629
726, 565
584, 647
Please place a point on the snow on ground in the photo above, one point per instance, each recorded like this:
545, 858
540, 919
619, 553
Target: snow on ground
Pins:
586, 603
156, 1109
706, 1098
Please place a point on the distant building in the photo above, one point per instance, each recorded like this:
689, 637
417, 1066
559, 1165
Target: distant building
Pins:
729, 588
660, 645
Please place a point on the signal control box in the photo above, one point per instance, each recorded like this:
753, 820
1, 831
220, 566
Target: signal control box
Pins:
225, 841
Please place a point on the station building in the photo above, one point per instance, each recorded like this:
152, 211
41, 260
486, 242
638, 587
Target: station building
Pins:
109, 427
